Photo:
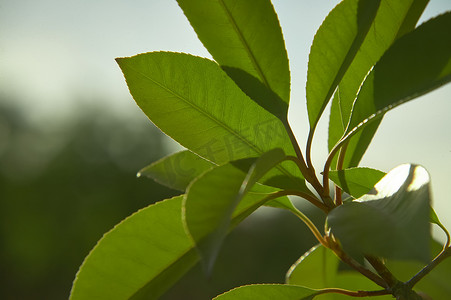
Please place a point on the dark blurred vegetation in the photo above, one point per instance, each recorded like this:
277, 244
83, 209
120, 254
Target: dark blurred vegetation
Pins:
62, 186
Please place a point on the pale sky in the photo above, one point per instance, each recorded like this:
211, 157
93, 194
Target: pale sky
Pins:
58, 55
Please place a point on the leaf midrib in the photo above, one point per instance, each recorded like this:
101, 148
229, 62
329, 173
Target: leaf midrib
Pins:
215, 120
247, 48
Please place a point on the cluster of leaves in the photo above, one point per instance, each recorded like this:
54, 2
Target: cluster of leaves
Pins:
367, 57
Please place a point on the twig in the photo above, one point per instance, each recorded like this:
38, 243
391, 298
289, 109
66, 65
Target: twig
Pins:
298, 213
327, 167
354, 293
307, 175
382, 270
297, 150
446, 233
308, 148
340, 161
306, 169
355, 265
312, 227
309, 198
446, 252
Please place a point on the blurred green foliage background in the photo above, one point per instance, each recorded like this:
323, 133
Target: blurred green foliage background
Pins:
63, 184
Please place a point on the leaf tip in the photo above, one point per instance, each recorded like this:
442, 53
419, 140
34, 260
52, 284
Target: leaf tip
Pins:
119, 60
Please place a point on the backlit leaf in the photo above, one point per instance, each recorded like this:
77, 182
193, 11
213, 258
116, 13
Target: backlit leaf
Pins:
393, 222
140, 258
393, 19
245, 38
433, 218
177, 170
144, 255
193, 101
212, 198
333, 49
356, 181
268, 292
415, 64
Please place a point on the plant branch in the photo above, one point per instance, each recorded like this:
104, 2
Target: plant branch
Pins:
354, 293
340, 161
445, 253
309, 198
308, 149
298, 213
447, 235
382, 270
309, 173
297, 149
334, 246
311, 179
311, 226
327, 167
338, 196
356, 265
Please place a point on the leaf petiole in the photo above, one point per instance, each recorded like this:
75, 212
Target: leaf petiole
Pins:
311, 226
340, 161
354, 293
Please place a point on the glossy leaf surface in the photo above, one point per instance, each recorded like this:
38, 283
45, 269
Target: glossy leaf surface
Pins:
319, 261
356, 181
417, 63
212, 198
245, 38
192, 100
334, 47
393, 223
140, 258
268, 292
177, 170
394, 19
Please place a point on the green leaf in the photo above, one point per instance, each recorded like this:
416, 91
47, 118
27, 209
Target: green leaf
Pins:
433, 218
257, 197
317, 268
415, 64
212, 198
245, 38
282, 203
356, 181
177, 170
435, 284
268, 292
193, 101
334, 47
393, 19
356, 147
148, 252
140, 258
393, 223
416, 9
